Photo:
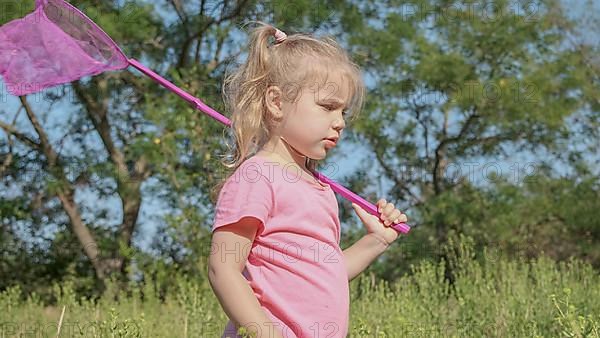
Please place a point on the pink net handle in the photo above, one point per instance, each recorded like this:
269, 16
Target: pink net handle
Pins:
39, 3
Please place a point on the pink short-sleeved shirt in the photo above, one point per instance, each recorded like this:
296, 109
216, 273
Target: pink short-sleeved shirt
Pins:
295, 267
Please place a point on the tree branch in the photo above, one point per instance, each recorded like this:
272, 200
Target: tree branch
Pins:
9, 158
186, 44
66, 194
128, 184
20, 136
418, 109
98, 116
389, 172
440, 149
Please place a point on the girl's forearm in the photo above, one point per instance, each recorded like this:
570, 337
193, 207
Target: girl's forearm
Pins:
362, 253
241, 306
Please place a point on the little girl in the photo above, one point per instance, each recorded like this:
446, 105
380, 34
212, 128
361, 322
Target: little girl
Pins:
276, 265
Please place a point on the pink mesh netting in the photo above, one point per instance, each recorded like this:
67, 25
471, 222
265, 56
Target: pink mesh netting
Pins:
53, 45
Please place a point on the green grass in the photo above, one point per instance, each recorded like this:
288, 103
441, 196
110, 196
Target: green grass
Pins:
491, 296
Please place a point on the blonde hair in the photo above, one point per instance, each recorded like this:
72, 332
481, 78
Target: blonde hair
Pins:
285, 65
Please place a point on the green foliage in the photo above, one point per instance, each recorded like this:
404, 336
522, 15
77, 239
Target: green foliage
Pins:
573, 323
15, 9
490, 297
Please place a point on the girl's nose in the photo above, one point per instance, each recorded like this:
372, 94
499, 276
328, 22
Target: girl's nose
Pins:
339, 123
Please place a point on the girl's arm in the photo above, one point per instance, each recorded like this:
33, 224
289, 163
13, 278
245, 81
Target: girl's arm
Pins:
362, 253
379, 236
229, 252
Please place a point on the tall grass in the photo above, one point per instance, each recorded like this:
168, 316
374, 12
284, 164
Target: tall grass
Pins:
490, 296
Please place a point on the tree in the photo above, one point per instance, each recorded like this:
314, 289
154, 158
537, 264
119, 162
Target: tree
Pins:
459, 84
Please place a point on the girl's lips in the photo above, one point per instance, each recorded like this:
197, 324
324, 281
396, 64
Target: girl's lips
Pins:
331, 143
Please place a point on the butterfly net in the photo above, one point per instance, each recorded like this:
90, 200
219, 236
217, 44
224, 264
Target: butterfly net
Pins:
57, 44
53, 45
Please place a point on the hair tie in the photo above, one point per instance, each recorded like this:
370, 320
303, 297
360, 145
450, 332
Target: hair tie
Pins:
279, 36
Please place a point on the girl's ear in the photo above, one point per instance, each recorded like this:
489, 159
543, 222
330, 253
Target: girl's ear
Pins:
273, 100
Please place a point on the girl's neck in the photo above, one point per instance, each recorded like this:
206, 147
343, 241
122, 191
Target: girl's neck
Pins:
283, 153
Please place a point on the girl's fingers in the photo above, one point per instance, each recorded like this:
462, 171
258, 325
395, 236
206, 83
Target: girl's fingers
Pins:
389, 208
381, 204
389, 214
395, 215
402, 219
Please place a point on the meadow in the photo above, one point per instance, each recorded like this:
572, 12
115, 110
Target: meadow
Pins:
489, 296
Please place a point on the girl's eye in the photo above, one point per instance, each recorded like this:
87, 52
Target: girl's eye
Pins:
344, 112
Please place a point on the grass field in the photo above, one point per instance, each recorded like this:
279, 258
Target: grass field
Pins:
490, 297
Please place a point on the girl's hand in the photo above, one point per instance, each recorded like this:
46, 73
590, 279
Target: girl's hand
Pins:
382, 226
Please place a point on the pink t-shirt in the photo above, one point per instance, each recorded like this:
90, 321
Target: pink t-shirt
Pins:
295, 267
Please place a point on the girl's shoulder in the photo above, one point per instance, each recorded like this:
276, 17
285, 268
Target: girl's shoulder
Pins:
252, 170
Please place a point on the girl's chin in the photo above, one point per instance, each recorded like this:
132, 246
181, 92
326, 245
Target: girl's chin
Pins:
318, 155
322, 155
